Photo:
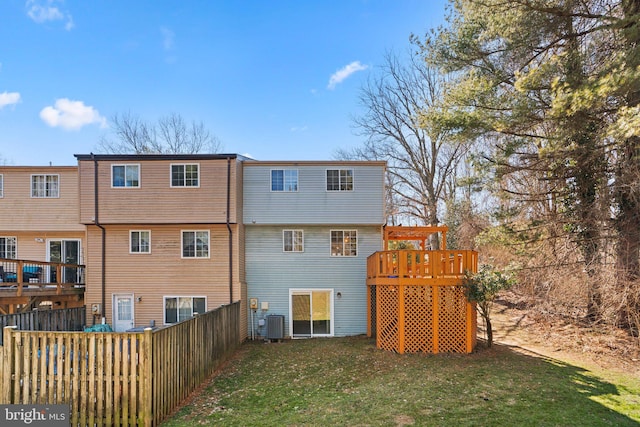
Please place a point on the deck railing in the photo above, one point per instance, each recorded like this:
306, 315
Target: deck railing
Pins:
19, 274
417, 264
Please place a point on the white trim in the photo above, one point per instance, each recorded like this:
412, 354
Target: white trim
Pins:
171, 165
16, 244
353, 180
125, 175
139, 252
284, 180
293, 245
195, 231
114, 309
164, 306
1, 186
45, 175
343, 255
48, 253
309, 291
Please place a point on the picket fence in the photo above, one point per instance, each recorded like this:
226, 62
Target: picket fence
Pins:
117, 378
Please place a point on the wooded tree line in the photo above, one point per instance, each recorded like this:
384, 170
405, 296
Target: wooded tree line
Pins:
518, 123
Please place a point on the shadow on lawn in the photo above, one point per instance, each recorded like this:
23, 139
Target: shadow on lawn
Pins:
567, 394
347, 381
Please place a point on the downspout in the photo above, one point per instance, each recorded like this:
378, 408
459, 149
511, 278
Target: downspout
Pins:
229, 230
104, 232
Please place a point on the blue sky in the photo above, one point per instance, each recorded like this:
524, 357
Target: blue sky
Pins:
277, 80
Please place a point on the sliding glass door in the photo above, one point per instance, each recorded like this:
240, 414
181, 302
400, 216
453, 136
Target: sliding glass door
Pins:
311, 312
68, 252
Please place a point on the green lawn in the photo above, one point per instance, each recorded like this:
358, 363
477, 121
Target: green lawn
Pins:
348, 382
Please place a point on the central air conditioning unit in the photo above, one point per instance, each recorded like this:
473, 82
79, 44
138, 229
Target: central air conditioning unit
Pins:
275, 327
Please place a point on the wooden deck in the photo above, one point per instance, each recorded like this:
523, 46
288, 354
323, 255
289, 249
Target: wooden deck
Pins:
418, 267
25, 285
416, 302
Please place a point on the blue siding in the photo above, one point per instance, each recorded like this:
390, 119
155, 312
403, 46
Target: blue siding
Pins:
271, 273
312, 203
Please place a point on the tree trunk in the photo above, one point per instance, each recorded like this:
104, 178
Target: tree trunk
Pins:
628, 186
489, 331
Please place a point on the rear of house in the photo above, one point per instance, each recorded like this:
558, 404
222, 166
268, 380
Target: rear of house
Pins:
163, 239
309, 227
39, 222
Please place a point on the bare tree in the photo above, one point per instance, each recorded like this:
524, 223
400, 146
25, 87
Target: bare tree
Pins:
420, 156
170, 135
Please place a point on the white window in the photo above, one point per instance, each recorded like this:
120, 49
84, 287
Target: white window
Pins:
340, 180
195, 244
140, 242
344, 243
293, 240
311, 312
284, 180
185, 175
125, 176
177, 309
8, 247
1, 185
45, 186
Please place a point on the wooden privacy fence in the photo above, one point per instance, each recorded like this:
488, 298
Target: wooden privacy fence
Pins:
117, 378
416, 301
64, 319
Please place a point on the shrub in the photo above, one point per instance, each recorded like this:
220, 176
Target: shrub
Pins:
482, 288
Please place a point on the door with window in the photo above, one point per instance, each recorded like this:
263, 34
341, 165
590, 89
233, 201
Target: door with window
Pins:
123, 312
311, 312
68, 252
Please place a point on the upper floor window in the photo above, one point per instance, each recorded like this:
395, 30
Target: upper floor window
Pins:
1, 185
140, 242
195, 244
8, 247
177, 309
340, 180
293, 240
185, 175
284, 180
344, 243
45, 186
125, 175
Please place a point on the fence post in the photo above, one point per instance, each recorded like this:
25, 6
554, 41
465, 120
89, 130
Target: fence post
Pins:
7, 358
147, 362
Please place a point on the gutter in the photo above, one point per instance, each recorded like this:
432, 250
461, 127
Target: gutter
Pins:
104, 234
229, 230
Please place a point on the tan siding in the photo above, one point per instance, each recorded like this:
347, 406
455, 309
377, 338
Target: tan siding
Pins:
18, 211
150, 277
33, 245
155, 201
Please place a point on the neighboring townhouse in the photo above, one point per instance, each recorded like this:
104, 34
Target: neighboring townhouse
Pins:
164, 239
39, 221
309, 228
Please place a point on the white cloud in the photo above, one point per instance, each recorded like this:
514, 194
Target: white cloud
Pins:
71, 115
168, 37
9, 98
41, 11
340, 75
299, 128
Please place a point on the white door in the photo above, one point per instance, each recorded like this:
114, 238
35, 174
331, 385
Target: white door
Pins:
122, 312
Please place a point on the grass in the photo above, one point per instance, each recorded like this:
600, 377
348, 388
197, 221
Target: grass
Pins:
347, 381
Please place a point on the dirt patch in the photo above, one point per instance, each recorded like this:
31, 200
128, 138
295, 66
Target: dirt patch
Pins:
554, 337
